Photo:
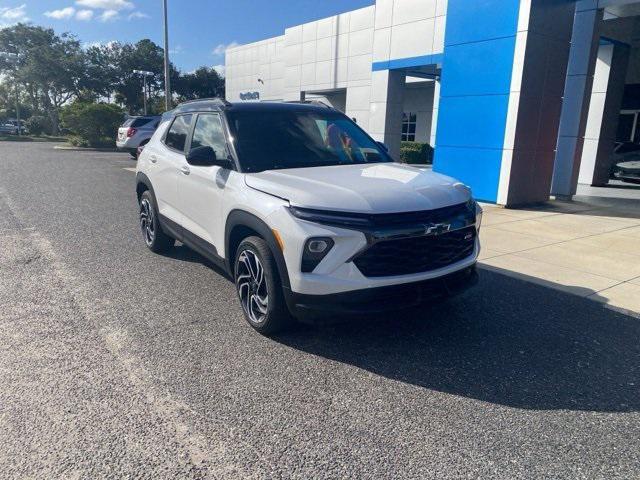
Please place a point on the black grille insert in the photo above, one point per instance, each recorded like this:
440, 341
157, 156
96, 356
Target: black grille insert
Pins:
405, 256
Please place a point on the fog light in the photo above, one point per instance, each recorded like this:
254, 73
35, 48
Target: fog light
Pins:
315, 249
317, 246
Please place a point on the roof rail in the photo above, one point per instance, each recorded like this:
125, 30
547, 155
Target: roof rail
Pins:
219, 100
311, 102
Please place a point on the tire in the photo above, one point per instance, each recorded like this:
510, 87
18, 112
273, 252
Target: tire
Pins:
259, 287
134, 153
156, 240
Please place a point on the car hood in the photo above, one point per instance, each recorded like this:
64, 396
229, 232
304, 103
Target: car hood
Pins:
372, 188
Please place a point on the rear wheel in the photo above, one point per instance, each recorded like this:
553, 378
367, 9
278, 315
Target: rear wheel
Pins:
156, 240
259, 287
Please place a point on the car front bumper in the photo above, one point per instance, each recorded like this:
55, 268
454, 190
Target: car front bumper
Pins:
380, 299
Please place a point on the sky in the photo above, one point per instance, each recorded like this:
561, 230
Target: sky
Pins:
199, 30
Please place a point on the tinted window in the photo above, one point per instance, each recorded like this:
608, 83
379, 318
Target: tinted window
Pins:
139, 122
208, 133
277, 139
177, 134
136, 122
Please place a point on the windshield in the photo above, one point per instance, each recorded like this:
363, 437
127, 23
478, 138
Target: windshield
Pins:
278, 139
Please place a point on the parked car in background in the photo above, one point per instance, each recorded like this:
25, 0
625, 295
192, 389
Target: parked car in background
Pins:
626, 162
10, 127
305, 211
136, 132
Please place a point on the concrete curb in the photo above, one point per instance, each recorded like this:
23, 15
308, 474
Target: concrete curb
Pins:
83, 149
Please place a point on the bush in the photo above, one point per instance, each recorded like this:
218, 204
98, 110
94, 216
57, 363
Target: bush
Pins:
416, 153
39, 125
92, 124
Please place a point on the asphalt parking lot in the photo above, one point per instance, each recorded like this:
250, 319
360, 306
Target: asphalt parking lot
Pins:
118, 363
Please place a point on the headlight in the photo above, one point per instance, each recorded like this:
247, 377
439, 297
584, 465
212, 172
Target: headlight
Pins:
315, 249
337, 219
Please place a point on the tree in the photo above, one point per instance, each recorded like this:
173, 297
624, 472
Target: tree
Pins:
203, 83
95, 123
143, 55
51, 68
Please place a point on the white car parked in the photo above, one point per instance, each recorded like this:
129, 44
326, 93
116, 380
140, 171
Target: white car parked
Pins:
136, 132
307, 213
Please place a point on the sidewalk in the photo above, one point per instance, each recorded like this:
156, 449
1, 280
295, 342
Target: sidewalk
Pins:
589, 247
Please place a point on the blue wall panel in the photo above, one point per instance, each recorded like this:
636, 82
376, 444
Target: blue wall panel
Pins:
475, 121
476, 20
463, 164
421, 61
476, 78
478, 68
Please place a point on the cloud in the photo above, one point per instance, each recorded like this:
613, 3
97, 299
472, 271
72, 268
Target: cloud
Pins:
137, 15
220, 69
107, 5
176, 50
221, 48
15, 14
84, 15
62, 14
109, 44
109, 15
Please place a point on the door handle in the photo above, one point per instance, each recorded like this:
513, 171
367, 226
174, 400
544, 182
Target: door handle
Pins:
185, 169
153, 159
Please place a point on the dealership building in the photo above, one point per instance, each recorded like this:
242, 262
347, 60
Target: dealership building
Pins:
521, 99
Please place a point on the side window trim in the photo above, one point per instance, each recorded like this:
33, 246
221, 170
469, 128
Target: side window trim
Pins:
225, 133
189, 134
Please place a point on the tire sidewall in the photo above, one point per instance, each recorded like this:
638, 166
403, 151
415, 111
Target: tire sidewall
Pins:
276, 315
161, 242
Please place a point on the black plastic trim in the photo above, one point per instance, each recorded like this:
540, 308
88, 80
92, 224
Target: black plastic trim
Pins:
382, 299
246, 219
193, 241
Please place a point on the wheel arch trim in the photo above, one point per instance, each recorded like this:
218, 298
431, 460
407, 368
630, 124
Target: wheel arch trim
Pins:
242, 218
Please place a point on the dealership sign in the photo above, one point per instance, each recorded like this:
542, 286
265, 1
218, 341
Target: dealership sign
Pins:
250, 96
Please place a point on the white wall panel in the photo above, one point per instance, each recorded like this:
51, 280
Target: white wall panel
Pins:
382, 44
405, 11
384, 12
309, 31
325, 49
361, 19
360, 67
309, 52
412, 39
326, 27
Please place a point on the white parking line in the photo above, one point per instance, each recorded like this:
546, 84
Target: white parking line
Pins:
130, 169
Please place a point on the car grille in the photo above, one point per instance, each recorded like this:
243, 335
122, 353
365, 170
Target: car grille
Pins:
411, 255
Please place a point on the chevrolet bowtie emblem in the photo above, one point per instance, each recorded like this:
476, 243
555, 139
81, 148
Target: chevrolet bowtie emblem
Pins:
437, 228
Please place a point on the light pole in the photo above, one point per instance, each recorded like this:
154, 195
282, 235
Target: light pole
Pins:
144, 74
13, 58
167, 79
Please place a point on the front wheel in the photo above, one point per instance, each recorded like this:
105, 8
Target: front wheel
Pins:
155, 239
259, 287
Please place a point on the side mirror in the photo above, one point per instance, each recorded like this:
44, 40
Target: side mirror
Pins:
383, 146
201, 156
206, 157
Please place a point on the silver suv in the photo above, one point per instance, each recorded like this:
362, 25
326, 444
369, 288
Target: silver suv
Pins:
136, 132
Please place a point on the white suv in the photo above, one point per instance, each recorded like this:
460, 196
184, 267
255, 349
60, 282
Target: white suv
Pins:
306, 213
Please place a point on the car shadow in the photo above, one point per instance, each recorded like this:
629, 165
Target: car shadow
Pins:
184, 254
507, 341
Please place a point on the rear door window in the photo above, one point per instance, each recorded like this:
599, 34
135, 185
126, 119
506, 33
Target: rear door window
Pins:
177, 135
